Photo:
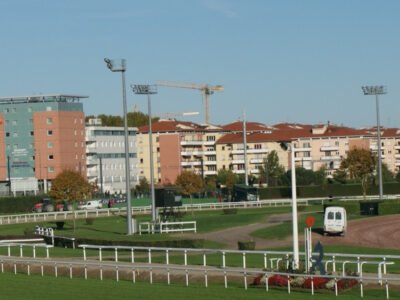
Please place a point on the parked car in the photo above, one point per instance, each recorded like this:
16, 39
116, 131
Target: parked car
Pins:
335, 220
45, 205
91, 204
65, 206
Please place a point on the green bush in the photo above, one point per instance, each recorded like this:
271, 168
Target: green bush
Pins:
352, 208
327, 190
89, 221
229, 211
23, 204
246, 245
389, 207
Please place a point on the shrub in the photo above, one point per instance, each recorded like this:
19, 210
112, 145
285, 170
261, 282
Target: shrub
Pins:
246, 245
229, 211
89, 221
60, 225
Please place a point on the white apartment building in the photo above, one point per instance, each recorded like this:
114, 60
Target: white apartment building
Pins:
105, 152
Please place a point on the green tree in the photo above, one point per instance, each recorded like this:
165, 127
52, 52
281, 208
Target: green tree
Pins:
71, 186
138, 119
143, 187
387, 175
340, 176
227, 178
360, 165
272, 171
189, 183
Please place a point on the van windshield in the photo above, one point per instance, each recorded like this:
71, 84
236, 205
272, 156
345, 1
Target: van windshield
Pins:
330, 215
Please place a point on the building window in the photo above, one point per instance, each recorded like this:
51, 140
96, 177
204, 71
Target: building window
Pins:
49, 132
15, 134
48, 108
50, 169
210, 138
30, 109
51, 157
141, 160
14, 110
14, 122
31, 133
75, 132
49, 121
7, 134
257, 146
50, 145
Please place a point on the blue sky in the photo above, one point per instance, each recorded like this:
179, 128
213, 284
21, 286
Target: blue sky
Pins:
291, 61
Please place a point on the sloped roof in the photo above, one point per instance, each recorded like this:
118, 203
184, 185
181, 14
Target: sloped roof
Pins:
250, 127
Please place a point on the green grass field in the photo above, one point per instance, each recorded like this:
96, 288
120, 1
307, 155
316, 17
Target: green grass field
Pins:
22, 287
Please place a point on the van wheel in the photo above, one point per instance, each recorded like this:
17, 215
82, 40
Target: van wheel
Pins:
324, 233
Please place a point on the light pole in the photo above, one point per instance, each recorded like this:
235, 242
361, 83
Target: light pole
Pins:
246, 176
377, 90
146, 89
120, 66
294, 210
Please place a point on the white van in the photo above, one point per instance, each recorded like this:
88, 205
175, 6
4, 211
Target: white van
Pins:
335, 220
91, 204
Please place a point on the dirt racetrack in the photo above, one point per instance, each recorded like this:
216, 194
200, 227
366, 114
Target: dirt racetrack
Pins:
374, 232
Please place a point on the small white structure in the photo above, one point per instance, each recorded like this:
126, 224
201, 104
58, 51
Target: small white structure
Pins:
335, 220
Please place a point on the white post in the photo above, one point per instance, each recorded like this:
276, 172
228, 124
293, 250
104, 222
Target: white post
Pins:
294, 213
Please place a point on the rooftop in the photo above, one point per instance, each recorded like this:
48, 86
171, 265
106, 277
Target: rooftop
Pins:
42, 98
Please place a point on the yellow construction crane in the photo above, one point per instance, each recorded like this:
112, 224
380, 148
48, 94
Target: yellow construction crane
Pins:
205, 89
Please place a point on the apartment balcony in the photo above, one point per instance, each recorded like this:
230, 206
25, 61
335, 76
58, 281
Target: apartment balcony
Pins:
335, 157
397, 147
210, 172
192, 143
210, 162
238, 171
190, 163
256, 161
397, 162
190, 153
302, 149
250, 151
238, 151
210, 153
375, 147
209, 143
303, 159
92, 161
397, 155
238, 161
255, 171
92, 173
329, 148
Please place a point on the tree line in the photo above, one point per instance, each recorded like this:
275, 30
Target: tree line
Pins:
135, 119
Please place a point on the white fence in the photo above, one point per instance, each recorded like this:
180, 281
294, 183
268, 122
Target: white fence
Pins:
169, 273
167, 227
268, 260
106, 212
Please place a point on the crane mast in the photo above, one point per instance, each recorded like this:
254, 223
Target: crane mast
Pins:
205, 89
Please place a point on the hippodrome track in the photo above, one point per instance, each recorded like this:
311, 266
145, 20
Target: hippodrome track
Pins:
374, 232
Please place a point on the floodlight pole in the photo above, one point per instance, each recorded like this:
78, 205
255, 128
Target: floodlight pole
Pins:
246, 176
146, 89
121, 67
377, 90
294, 210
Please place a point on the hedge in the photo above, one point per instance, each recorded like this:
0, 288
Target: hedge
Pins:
327, 190
21, 204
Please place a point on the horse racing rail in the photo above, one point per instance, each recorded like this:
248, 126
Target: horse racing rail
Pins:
107, 212
134, 272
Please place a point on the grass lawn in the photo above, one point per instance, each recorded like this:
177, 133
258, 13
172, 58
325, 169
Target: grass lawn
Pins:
37, 287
